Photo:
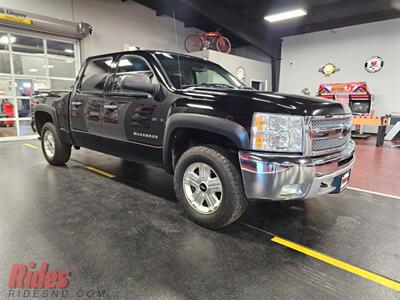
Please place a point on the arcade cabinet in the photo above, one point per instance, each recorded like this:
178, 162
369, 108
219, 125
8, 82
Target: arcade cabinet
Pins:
355, 95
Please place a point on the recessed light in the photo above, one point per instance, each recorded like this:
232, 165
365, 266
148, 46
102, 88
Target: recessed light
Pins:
33, 70
48, 67
286, 15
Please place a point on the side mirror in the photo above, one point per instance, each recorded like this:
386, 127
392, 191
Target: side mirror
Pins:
139, 83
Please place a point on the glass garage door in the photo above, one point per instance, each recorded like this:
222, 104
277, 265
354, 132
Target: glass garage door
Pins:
29, 63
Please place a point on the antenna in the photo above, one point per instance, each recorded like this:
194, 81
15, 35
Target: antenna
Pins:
176, 42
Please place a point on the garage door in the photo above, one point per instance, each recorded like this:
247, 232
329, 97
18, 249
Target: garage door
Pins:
31, 62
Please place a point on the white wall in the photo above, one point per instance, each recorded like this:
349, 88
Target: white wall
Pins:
115, 23
348, 49
252, 53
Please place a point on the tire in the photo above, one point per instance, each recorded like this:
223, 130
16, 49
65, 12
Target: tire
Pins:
225, 46
61, 151
231, 198
193, 43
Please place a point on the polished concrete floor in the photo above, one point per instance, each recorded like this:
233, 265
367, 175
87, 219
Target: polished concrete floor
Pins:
127, 237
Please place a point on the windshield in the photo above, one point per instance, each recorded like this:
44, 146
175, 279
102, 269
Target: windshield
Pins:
191, 72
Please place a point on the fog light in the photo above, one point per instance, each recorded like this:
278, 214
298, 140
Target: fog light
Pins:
291, 190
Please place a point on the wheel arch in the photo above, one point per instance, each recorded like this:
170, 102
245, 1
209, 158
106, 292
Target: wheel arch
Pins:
42, 115
187, 128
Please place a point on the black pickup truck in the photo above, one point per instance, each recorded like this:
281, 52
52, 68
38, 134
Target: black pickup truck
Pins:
224, 143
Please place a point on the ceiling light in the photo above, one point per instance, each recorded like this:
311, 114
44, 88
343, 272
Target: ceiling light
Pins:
68, 50
48, 67
286, 15
33, 70
4, 40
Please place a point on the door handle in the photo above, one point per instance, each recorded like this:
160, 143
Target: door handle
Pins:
110, 107
76, 103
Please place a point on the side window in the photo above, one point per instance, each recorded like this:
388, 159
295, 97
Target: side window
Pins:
95, 75
132, 65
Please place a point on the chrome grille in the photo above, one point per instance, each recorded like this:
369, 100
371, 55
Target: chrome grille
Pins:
330, 134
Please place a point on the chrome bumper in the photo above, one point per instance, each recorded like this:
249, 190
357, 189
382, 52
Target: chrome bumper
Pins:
277, 177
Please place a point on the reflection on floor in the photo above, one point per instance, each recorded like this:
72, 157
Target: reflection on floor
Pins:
128, 237
377, 168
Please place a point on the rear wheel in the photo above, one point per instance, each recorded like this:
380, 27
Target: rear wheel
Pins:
193, 43
223, 45
54, 149
209, 187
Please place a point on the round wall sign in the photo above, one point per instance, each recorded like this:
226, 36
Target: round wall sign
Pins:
328, 69
374, 64
240, 74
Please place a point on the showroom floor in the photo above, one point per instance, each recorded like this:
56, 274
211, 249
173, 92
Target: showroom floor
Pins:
116, 226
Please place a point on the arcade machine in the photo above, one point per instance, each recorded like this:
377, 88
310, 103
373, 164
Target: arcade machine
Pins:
359, 99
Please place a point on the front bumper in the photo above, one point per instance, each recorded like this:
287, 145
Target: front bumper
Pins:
277, 177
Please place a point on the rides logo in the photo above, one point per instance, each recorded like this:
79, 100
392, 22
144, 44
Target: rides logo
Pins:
31, 276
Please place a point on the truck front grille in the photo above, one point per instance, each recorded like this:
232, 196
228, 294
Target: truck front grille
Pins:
330, 134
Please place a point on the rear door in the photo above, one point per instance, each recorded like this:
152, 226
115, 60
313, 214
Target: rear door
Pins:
86, 111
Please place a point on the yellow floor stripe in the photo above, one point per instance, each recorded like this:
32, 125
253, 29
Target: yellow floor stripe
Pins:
31, 146
104, 173
339, 264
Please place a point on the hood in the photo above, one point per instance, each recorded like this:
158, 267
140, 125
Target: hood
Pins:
241, 102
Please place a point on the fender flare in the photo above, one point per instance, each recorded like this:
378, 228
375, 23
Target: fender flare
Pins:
50, 110
231, 130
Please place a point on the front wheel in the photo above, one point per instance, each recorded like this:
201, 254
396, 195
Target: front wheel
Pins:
209, 187
54, 149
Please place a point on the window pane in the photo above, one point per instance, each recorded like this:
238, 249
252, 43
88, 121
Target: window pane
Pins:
57, 84
28, 65
95, 75
24, 109
7, 128
60, 48
40, 84
4, 41
27, 44
62, 68
5, 86
131, 64
25, 128
6, 109
23, 87
5, 63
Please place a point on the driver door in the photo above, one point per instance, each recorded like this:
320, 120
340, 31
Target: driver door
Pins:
131, 118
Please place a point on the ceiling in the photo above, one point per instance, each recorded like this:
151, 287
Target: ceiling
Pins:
321, 14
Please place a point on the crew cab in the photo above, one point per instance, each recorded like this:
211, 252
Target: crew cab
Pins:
223, 142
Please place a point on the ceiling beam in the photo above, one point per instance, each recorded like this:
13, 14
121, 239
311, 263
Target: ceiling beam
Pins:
258, 36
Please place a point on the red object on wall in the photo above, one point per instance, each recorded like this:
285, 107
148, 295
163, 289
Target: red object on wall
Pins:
8, 110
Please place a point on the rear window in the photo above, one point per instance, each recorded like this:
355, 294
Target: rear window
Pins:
95, 75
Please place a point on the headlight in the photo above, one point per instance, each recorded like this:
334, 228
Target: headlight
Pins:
274, 132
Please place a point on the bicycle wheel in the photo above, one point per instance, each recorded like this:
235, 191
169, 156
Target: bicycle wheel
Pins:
223, 45
193, 43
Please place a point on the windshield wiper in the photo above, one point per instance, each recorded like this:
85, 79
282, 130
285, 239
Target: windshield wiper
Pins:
206, 84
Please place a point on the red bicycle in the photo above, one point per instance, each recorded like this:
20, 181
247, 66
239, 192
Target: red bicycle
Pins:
209, 40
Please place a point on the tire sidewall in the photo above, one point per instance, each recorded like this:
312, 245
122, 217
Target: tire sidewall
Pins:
61, 151
225, 210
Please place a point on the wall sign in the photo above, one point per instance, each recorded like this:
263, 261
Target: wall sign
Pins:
13, 16
328, 69
374, 64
